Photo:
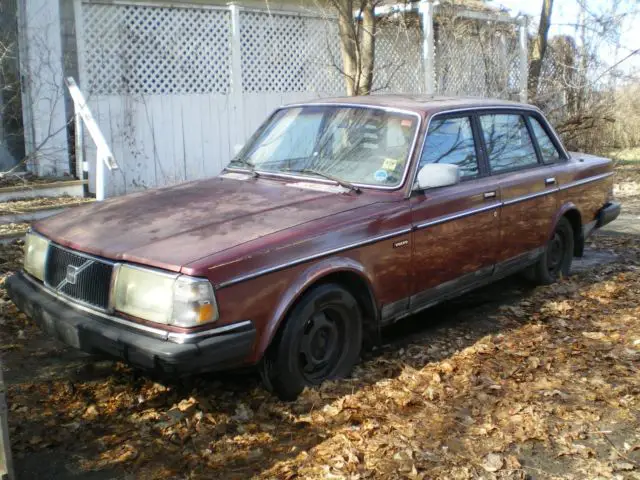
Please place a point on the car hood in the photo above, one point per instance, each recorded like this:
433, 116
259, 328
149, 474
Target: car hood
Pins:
171, 227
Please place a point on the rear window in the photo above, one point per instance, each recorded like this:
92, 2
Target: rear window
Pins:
549, 151
509, 145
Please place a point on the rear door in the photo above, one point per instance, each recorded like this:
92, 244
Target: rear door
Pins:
456, 228
527, 186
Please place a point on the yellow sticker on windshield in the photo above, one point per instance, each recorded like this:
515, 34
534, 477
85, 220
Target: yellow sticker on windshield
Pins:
389, 164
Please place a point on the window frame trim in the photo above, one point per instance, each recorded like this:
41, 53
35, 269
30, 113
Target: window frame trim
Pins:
522, 109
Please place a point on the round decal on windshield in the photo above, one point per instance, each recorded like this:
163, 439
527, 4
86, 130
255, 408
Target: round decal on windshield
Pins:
381, 175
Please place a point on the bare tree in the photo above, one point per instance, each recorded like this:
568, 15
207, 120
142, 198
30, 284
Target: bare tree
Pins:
585, 87
539, 47
45, 89
357, 30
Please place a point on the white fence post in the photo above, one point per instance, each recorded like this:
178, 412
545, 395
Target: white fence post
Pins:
237, 100
428, 47
524, 59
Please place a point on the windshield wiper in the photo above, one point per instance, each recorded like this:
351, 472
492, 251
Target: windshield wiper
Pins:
248, 165
328, 176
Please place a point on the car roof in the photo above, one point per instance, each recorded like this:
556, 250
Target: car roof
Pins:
423, 104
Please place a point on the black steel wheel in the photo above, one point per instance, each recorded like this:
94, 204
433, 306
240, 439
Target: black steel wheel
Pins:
556, 260
321, 340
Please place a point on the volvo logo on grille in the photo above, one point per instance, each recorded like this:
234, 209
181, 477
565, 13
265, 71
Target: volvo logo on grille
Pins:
72, 274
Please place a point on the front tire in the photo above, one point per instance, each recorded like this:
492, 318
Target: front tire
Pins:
321, 340
556, 260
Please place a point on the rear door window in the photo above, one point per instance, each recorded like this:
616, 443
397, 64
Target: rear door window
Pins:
548, 149
450, 140
509, 145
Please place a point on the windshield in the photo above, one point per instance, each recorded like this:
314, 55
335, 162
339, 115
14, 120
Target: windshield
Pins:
354, 144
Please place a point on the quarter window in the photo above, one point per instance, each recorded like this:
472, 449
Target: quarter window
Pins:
549, 151
509, 145
451, 141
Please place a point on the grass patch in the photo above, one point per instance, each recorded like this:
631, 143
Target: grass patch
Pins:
627, 156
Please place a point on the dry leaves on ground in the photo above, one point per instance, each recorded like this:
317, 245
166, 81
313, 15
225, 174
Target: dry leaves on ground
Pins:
38, 203
542, 383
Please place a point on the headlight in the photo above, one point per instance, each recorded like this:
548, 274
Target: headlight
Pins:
164, 298
35, 255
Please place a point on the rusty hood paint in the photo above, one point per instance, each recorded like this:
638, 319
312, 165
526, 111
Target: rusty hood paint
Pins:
171, 227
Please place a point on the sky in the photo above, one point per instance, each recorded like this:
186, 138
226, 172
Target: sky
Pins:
565, 15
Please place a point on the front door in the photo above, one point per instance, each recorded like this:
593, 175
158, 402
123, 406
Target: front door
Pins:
456, 228
528, 189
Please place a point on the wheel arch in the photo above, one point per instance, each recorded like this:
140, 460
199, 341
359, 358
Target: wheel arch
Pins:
571, 212
344, 271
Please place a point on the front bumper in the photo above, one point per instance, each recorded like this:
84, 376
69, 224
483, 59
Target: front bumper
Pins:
608, 214
94, 334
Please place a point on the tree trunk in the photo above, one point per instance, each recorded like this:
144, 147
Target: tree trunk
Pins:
367, 48
357, 45
539, 47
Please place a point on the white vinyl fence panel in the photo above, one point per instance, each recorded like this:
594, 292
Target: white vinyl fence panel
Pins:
158, 80
176, 87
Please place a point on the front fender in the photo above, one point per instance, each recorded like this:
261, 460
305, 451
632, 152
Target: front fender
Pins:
310, 276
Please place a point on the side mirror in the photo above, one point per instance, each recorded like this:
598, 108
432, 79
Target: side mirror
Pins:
434, 175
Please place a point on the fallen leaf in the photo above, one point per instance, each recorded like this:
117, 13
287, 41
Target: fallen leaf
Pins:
593, 335
493, 462
623, 466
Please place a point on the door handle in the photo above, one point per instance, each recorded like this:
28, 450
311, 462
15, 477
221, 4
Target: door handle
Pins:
550, 181
489, 195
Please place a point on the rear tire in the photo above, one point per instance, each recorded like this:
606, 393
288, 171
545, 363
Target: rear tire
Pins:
556, 260
321, 340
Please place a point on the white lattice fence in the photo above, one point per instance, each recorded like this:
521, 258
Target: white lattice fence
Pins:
289, 53
156, 50
398, 61
177, 87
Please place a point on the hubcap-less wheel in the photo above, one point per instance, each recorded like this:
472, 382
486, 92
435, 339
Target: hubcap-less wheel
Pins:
322, 343
556, 259
556, 253
320, 340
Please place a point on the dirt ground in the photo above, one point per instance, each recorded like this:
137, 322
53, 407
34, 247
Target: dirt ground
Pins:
507, 382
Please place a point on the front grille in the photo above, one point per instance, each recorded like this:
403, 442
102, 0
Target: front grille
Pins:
86, 279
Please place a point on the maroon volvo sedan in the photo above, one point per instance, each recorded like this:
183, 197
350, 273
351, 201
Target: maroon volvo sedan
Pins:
337, 218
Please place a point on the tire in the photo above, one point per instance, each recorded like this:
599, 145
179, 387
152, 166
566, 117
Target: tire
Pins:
321, 340
556, 260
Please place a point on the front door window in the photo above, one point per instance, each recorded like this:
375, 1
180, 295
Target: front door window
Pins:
450, 140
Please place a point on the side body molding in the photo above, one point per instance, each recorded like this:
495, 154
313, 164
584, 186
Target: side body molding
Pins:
309, 277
